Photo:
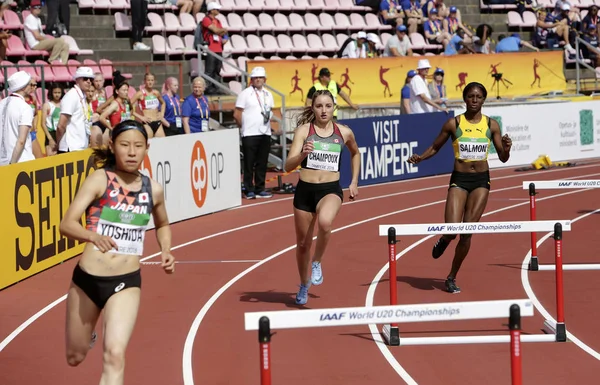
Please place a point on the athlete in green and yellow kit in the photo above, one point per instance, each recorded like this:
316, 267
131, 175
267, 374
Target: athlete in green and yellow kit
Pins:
471, 133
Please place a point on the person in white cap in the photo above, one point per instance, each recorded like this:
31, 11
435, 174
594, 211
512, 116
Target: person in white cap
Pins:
16, 119
354, 48
253, 112
215, 36
420, 98
74, 125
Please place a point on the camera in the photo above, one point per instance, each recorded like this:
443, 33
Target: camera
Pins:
498, 77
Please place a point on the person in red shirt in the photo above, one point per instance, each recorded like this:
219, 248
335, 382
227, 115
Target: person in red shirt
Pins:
215, 37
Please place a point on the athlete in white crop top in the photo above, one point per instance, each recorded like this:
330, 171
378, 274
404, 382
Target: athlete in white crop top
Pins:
118, 201
317, 147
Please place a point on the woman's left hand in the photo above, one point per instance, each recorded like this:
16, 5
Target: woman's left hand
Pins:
353, 191
168, 262
506, 142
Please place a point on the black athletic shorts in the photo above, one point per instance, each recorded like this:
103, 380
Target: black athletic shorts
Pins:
100, 289
469, 181
155, 125
308, 195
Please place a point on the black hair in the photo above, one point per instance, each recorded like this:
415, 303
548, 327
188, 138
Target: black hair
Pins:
103, 156
51, 87
473, 85
308, 115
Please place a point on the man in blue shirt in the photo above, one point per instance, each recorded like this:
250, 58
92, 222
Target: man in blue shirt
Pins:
405, 93
512, 43
457, 44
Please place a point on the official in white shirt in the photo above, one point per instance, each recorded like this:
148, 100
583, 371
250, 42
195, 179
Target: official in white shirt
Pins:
73, 131
16, 119
420, 98
253, 115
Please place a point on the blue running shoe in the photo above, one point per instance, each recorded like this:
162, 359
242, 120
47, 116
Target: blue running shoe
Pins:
317, 274
302, 296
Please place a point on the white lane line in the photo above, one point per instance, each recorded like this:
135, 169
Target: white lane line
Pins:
538, 304
373, 286
203, 262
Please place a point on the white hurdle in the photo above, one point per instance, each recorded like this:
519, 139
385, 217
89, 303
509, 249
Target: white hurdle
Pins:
533, 186
265, 321
558, 332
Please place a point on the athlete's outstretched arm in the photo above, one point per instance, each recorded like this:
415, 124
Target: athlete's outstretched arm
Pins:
502, 143
163, 228
438, 143
355, 162
70, 226
298, 150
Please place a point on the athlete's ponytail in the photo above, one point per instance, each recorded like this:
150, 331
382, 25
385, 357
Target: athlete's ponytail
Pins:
308, 115
103, 156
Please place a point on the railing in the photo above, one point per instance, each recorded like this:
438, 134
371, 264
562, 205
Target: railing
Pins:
580, 62
203, 51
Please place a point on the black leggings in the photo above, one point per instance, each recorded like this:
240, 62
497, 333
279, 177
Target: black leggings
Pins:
139, 13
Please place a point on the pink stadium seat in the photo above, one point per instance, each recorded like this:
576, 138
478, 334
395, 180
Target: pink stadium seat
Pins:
259, 58
341, 21
255, 44
312, 22
273, 5
228, 69
227, 5
385, 37
341, 38
373, 23
529, 19
267, 23
315, 43
270, 42
332, 5
290, 57
285, 43
315, 5
329, 43
348, 5
11, 21
176, 45
92, 64
102, 4
235, 86
85, 4
297, 21
24, 65
159, 45
9, 67
119, 4
61, 72
241, 62
238, 44
187, 22
275, 58
585, 3
513, 19
156, 23
282, 21
189, 44
250, 22
47, 71
357, 22
417, 41
72, 66
199, 17
300, 44
256, 5
122, 22
172, 22
196, 67
235, 23
287, 5
74, 48
162, 7
15, 47
327, 22
107, 69
241, 6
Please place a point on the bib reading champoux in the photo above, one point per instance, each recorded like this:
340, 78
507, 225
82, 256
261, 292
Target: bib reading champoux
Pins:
325, 156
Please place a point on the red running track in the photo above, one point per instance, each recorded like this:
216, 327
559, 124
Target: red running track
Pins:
191, 324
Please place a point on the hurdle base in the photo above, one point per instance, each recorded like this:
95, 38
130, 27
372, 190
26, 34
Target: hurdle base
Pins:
533, 264
391, 335
559, 330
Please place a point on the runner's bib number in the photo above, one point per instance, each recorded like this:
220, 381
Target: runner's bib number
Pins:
473, 148
151, 102
127, 229
325, 156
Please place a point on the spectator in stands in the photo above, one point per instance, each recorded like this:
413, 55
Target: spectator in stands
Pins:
561, 15
437, 88
420, 98
32, 100
58, 20
414, 14
195, 110
453, 23
405, 93
391, 13
590, 18
398, 44
4, 34
457, 44
213, 33
185, 6
439, 6
16, 119
354, 48
253, 113
51, 116
434, 31
567, 8
591, 37
37, 40
481, 40
150, 107
120, 108
173, 123
512, 43
372, 40
74, 125
549, 30
326, 83
139, 17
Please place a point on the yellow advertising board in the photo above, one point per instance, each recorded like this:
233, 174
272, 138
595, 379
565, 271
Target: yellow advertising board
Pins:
34, 197
378, 81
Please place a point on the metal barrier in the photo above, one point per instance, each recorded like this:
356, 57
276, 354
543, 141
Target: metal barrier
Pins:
579, 62
204, 51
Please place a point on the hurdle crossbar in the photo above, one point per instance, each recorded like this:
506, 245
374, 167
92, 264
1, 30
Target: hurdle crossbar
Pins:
391, 332
533, 186
449, 311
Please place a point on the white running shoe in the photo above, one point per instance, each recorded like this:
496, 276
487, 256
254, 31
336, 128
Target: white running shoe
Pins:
317, 274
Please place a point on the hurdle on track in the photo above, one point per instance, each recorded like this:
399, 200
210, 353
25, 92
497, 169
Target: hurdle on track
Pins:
554, 185
264, 322
558, 331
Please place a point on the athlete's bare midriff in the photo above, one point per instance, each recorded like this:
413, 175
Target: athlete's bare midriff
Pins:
319, 176
473, 167
95, 262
